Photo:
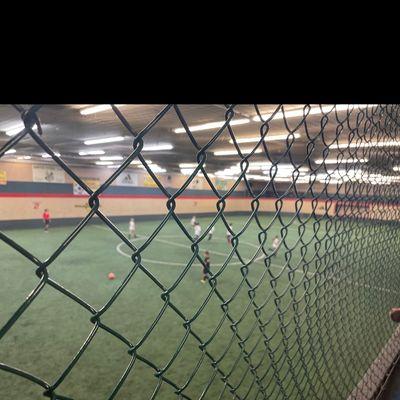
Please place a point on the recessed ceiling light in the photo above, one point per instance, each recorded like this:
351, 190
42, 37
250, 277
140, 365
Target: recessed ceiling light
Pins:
89, 142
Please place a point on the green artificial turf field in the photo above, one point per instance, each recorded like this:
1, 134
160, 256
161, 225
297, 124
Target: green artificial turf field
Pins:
283, 326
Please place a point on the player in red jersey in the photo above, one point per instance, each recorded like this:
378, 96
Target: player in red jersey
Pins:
46, 219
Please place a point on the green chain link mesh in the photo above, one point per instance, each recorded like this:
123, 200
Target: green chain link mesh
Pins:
331, 297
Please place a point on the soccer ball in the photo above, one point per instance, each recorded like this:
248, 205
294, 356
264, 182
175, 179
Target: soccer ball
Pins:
395, 314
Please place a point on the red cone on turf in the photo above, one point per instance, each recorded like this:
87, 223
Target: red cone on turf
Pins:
111, 276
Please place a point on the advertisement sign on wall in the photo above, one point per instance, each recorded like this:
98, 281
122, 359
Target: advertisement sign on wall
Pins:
48, 173
93, 183
127, 178
148, 181
3, 178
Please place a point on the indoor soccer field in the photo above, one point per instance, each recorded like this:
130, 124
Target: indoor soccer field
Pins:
206, 251
61, 325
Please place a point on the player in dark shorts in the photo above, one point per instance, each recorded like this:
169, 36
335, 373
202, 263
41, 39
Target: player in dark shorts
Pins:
206, 267
46, 220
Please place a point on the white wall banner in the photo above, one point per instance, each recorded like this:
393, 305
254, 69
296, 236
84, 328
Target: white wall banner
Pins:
127, 178
93, 183
48, 173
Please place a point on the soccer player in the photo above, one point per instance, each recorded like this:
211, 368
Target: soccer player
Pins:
229, 235
132, 228
193, 220
210, 233
206, 267
275, 245
197, 231
46, 219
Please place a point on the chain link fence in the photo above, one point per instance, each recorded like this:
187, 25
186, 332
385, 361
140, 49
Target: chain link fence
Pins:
329, 336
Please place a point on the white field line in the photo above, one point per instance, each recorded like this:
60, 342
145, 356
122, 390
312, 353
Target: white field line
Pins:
280, 267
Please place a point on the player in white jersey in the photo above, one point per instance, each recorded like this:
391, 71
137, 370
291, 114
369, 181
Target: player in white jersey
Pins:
132, 228
210, 233
197, 231
229, 234
275, 245
193, 220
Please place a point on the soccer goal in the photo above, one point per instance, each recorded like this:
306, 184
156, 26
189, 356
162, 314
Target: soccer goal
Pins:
199, 251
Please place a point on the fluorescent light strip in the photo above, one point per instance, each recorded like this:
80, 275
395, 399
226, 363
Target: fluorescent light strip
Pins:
45, 155
113, 139
111, 158
104, 163
234, 152
336, 161
138, 162
91, 153
189, 165
366, 144
212, 125
14, 129
257, 177
312, 111
270, 138
11, 151
158, 147
98, 108
154, 168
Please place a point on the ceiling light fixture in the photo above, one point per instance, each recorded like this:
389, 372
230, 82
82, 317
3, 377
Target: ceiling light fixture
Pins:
312, 111
138, 162
113, 139
104, 163
365, 144
45, 155
14, 129
92, 153
189, 165
234, 152
98, 108
268, 138
336, 161
111, 158
11, 151
212, 125
158, 147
